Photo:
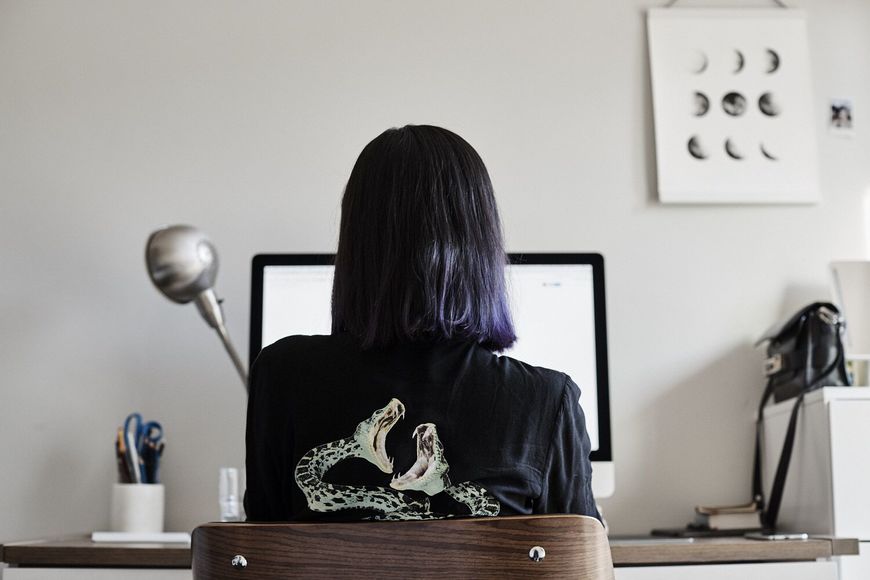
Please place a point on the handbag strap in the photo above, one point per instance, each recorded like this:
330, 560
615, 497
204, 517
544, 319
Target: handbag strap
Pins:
757, 487
770, 512
770, 515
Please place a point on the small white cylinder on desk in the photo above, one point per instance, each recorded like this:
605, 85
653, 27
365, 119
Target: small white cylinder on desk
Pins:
137, 507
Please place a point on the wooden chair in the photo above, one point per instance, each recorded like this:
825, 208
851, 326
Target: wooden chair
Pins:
550, 546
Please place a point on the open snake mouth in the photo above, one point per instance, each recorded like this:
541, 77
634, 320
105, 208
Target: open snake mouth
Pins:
426, 463
390, 415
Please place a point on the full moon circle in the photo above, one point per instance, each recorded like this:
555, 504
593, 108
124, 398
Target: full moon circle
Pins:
734, 104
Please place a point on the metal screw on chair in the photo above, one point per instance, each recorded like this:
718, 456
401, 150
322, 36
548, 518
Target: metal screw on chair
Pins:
239, 562
537, 554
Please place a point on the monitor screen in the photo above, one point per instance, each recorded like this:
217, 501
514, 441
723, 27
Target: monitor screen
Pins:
296, 300
553, 307
556, 299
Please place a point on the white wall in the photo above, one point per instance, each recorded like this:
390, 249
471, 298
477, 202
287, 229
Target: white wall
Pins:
245, 119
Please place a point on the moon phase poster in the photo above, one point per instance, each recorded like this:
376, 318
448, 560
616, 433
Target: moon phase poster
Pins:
733, 106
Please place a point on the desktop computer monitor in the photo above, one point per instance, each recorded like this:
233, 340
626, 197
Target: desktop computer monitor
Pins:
557, 303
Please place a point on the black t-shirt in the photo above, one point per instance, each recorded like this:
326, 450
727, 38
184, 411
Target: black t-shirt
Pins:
416, 431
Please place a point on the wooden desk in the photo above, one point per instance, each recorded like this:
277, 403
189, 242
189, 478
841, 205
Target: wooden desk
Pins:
80, 551
78, 557
656, 552
730, 558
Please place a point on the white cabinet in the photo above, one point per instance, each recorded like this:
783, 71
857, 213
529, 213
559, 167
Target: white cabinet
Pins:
827, 490
856, 567
823, 570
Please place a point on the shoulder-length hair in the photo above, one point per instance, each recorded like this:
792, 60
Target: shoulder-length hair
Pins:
420, 250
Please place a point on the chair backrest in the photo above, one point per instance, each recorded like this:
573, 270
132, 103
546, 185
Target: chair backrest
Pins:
571, 546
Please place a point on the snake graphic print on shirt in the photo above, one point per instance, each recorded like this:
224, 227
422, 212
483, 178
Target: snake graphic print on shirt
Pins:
428, 474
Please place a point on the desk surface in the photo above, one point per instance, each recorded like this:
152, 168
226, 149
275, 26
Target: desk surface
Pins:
656, 551
81, 551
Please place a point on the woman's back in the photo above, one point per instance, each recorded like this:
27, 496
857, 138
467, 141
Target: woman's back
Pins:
417, 430
404, 411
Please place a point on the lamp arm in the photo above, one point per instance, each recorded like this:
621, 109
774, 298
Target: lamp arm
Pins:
210, 307
228, 345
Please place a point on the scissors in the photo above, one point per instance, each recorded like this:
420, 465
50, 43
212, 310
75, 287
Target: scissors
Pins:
141, 438
142, 433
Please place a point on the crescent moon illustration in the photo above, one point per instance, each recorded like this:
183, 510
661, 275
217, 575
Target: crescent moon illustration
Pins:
695, 148
699, 62
701, 104
740, 61
768, 105
768, 154
772, 60
732, 150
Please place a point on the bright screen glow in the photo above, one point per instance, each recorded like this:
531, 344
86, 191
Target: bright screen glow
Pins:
553, 308
296, 300
554, 315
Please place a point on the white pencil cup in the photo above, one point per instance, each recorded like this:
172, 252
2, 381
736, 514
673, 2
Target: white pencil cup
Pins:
137, 507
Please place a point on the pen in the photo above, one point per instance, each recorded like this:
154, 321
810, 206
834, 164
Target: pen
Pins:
149, 460
158, 453
133, 459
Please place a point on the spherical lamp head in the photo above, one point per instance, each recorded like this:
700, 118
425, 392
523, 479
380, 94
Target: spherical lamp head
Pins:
182, 262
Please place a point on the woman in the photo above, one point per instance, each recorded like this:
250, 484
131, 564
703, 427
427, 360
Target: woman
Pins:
404, 412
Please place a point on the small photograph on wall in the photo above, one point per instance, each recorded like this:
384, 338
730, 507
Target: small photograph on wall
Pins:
732, 102
840, 119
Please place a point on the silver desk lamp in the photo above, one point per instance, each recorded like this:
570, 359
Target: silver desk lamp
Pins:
182, 262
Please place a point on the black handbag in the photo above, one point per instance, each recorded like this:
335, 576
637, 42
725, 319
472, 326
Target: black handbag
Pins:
803, 354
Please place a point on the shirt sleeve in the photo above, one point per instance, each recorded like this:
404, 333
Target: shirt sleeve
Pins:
265, 447
567, 484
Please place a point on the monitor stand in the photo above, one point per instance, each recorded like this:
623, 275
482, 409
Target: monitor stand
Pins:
603, 479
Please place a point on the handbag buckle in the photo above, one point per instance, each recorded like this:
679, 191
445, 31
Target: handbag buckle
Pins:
829, 316
772, 365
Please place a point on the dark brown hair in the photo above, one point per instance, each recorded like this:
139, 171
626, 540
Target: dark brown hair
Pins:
420, 251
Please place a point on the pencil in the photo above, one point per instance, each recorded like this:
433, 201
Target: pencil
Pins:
121, 457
